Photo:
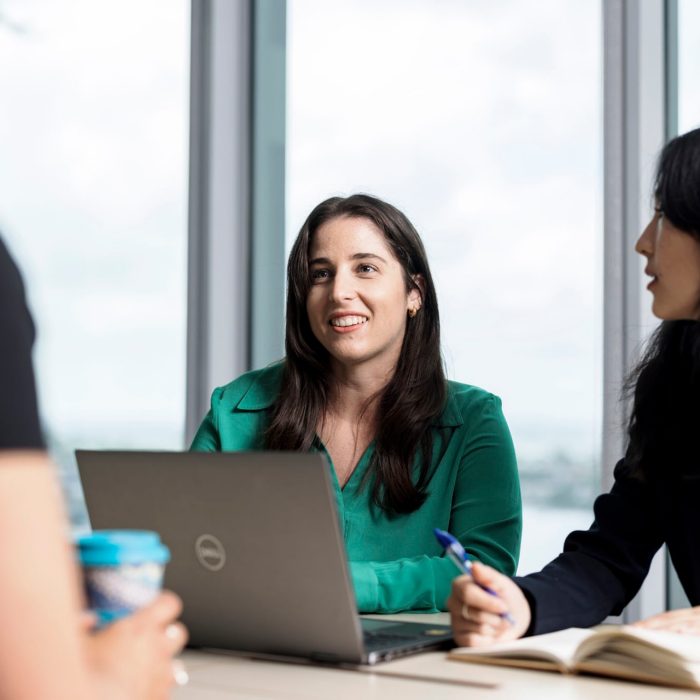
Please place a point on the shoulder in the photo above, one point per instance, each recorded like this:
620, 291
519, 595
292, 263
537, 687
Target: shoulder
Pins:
483, 446
255, 390
470, 403
10, 278
14, 315
470, 395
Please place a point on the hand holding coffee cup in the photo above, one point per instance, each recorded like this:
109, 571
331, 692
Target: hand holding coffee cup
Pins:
122, 570
123, 575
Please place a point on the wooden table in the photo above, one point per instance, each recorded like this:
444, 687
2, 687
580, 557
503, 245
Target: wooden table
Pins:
215, 676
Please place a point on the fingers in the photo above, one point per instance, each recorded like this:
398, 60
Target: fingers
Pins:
472, 639
492, 630
160, 617
180, 675
475, 614
483, 629
684, 621
684, 627
662, 620
489, 578
651, 623
176, 636
164, 609
481, 617
467, 607
476, 599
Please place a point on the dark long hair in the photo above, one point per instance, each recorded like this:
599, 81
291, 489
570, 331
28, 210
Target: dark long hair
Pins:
666, 382
414, 396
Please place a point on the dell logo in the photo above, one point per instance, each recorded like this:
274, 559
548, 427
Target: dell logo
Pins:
210, 552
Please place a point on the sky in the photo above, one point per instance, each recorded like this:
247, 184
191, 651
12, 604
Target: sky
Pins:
689, 65
93, 175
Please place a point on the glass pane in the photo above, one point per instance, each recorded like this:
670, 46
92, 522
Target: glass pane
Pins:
481, 120
688, 65
93, 175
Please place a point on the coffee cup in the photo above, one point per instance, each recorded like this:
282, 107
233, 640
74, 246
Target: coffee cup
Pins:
122, 570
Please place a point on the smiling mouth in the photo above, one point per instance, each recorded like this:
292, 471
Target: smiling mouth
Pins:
346, 321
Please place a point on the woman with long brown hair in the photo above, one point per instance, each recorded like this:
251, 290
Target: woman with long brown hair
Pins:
363, 382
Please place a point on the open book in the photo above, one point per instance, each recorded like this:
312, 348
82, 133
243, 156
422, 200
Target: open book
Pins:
636, 654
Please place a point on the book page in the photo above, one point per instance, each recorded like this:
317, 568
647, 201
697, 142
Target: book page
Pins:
558, 648
642, 642
686, 646
646, 654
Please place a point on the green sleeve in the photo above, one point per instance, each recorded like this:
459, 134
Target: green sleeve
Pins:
486, 516
486, 505
419, 583
207, 437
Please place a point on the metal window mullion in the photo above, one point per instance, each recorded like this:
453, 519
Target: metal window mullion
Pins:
671, 104
197, 252
633, 134
267, 249
219, 201
675, 595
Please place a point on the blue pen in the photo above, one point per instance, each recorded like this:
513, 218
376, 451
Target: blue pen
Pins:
459, 557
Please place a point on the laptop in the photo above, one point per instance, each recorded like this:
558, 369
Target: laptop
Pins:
257, 554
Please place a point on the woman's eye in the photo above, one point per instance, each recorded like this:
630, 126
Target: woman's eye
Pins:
319, 275
366, 268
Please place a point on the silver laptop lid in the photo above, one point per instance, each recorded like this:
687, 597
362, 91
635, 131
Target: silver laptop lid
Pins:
257, 554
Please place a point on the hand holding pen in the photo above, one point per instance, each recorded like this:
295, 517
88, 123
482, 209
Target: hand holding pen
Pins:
488, 607
458, 555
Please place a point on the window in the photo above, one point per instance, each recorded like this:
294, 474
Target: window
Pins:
688, 65
481, 121
93, 133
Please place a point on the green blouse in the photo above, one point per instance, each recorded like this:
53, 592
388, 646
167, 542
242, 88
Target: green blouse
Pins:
395, 561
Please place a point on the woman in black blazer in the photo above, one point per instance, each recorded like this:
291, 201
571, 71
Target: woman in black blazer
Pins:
655, 499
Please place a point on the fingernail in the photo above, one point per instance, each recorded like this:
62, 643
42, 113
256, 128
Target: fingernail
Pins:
180, 673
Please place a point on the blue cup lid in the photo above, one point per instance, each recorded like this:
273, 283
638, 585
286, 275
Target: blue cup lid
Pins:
115, 547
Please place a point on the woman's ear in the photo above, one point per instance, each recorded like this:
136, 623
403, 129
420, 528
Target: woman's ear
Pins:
415, 296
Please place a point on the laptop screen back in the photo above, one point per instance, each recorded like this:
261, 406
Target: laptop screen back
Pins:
257, 554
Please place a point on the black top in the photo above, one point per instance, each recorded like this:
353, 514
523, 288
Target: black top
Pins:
601, 569
19, 420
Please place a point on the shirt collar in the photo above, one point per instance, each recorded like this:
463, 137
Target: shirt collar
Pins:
262, 392
451, 416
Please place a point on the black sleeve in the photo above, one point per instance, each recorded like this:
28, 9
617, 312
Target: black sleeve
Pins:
19, 420
601, 569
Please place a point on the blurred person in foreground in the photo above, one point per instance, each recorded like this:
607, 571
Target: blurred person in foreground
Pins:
655, 499
46, 647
